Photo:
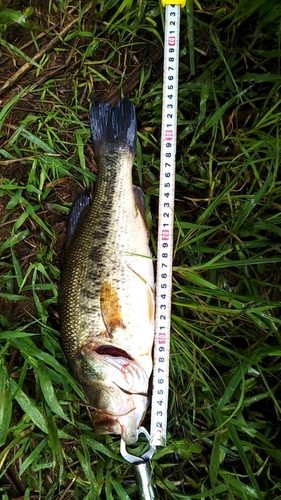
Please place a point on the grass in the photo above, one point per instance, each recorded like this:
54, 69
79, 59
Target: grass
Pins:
224, 413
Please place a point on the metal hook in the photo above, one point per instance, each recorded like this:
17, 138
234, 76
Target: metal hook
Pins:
142, 467
133, 459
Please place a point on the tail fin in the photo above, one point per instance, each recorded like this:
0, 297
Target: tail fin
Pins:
116, 126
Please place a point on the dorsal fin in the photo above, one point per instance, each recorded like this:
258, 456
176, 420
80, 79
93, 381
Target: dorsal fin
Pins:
140, 204
77, 211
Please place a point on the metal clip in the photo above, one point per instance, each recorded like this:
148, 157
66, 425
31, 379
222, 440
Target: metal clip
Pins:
142, 468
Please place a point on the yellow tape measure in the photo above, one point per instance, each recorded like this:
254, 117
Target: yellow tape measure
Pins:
174, 2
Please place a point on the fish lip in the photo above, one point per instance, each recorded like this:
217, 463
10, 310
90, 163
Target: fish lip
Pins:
144, 394
107, 416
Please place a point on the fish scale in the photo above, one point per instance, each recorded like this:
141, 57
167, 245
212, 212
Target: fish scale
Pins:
107, 298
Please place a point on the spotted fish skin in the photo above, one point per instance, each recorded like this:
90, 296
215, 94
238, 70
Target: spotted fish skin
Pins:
107, 290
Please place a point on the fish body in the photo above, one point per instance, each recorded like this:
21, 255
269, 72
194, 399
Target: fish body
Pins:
107, 290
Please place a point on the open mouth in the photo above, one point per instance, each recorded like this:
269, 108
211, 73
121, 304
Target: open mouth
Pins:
116, 352
113, 351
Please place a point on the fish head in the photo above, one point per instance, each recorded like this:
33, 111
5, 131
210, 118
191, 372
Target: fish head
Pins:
116, 389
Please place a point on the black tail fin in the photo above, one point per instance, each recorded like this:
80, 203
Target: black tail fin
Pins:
116, 126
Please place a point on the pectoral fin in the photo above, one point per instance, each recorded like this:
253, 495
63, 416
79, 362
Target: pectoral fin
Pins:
110, 308
149, 295
150, 303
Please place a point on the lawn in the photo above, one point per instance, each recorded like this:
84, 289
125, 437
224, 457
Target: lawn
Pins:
224, 434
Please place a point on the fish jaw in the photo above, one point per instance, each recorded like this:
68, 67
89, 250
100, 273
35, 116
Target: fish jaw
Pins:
116, 389
124, 425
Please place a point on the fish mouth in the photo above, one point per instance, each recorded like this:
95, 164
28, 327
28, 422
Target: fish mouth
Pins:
117, 352
113, 351
144, 394
115, 386
126, 424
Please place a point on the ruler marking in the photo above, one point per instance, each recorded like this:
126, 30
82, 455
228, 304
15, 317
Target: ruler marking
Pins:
159, 405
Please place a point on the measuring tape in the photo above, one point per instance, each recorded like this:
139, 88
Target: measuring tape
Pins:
159, 404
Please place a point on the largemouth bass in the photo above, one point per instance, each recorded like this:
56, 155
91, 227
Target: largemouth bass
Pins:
107, 289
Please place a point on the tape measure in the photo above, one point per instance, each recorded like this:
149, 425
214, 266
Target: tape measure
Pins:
159, 404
